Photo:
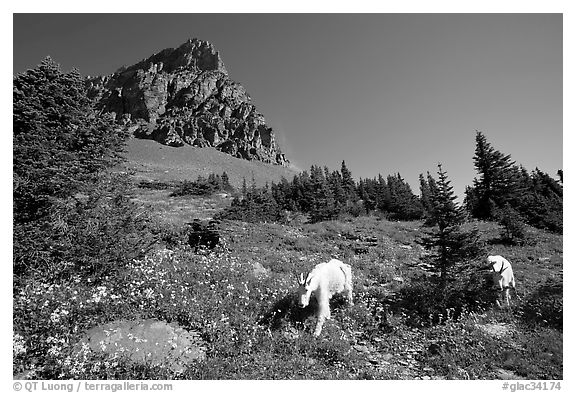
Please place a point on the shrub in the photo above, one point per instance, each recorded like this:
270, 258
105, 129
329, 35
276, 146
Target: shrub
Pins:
93, 235
257, 206
513, 227
544, 306
426, 303
155, 185
204, 186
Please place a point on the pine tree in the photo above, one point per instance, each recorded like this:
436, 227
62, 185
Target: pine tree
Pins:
383, 197
537, 197
338, 191
226, 186
304, 191
498, 181
404, 205
452, 245
542, 204
71, 214
244, 188
365, 195
427, 189
323, 204
348, 183
60, 142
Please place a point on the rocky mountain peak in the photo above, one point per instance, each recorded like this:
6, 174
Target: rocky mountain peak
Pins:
194, 55
185, 96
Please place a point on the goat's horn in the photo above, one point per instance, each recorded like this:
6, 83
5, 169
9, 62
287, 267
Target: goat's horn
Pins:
301, 279
502, 268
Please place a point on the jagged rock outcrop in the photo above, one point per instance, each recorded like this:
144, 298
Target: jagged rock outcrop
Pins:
184, 96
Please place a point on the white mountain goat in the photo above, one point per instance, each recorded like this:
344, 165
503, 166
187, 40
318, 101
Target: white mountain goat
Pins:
503, 277
325, 280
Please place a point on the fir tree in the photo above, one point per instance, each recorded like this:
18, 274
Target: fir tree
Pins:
226, 186
348, 183
71, 215
404, 205
323, 204
498, 181
383, 197
451, 245
338, 191
244, 188
61, 143
427, 189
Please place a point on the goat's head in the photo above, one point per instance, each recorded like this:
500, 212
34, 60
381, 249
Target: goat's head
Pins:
497, 273
304, 290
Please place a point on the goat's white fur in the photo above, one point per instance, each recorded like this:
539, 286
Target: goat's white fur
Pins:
503, 277
325, 280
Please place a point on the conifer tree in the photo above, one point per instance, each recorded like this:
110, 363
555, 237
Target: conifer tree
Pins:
338, 191
498, 181
304, 191
244, 188
71, 214
404, 205
427, 189
348, 183
226, 186
451, 245
323, 206
364, 192
60, 143
537, 197
383, 197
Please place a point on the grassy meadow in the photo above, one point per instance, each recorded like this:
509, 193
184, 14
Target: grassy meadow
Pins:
240, 299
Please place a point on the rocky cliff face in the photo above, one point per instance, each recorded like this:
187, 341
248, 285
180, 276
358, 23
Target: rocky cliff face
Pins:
184, 95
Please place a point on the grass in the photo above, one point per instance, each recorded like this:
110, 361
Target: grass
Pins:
247, 319
253, 331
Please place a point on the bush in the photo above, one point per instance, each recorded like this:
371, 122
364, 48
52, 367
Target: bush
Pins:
92, 235
544, 306
426, 303
204, 186
155, 185
258, 206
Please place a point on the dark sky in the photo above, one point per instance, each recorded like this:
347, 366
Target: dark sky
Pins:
386, 92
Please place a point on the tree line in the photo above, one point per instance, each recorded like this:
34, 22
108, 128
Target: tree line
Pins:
503, 191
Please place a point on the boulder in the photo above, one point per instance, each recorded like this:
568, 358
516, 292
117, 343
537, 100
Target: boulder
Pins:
150, 342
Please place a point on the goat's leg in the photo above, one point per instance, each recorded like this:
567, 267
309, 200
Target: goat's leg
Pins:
498, 299
319, 325
349, 296
323, 314
507, 295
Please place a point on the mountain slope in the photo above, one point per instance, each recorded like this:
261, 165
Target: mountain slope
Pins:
153, 161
